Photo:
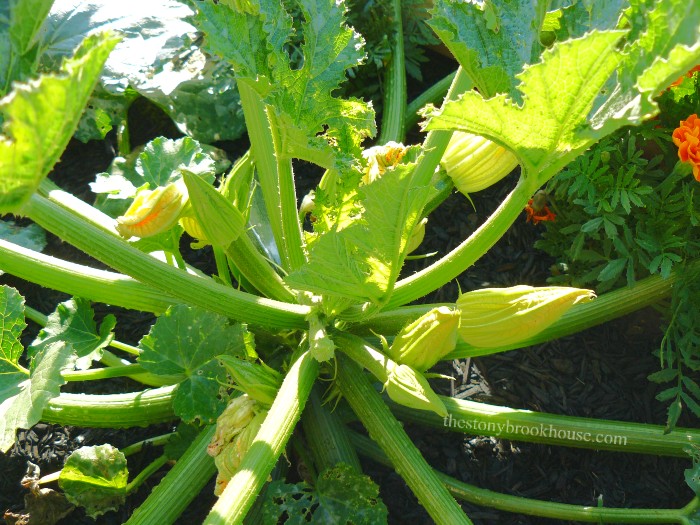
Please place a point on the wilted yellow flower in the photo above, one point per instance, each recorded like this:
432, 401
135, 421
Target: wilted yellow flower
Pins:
428, 339
494, 317
153, 211
239, 412
379, 158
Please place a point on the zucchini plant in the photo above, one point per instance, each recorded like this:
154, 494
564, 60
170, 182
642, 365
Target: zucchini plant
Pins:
240, 357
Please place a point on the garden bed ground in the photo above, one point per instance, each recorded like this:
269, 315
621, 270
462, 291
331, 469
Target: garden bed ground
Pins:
599, 373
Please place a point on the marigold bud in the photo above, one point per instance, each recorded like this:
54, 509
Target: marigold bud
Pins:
409, 388
239, 412
153, 212
494, 317
259, 381
428, 339
687, 137
475, 163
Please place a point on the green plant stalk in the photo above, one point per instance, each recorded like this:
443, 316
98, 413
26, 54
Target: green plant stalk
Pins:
222, 270
468, 252
198, 291
256, 269
81, 281
389, 434
394, 114
156, 441
471, 417
533, 507
146, 473
95, 374
326, 435
275, 177
258, 462
433, 95
135, 409
179, 486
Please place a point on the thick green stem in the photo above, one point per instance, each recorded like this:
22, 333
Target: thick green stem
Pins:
326, 435
257, 270
482, 419
394, 115
81, 281
198, 291
248, 481
95, 374
179, 486
389, 434
533, 507
467, 253
433, 95
276, 179
135, 409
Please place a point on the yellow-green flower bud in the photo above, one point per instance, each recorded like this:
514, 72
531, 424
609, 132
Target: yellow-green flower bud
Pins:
230, 457
153, 212
379, 158
409, 388
428, 339
239, 412
259, 381
474, 162
193, 228
494, 317
417, 236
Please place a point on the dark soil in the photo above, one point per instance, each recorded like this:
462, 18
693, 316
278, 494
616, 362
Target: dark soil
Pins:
598, 373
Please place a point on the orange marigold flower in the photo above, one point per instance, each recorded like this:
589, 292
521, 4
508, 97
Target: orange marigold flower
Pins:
687, 137
689, 73
537, 213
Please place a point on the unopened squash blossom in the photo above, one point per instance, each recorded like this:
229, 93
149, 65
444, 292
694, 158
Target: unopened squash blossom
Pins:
409, 388
258, 381
494, 317
428, 339
153, 211
475, 163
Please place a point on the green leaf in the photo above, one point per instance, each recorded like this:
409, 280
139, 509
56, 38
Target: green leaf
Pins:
185, 342
663, 376
360, 256
24, 409
95, 478
73, 322
162, 158
340, 496
31, 236
550, 128
26, 18
11, 349
313, 124
40, 118
490, 51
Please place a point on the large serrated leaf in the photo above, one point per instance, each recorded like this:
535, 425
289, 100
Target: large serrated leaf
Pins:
313, 124
558, 93
184, 342
95, 478
25, 408
73, 322
40, 118
341, 496
360, 256
11, 327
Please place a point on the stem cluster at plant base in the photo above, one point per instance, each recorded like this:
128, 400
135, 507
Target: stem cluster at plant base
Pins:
389, 434
244, 486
